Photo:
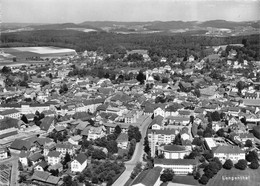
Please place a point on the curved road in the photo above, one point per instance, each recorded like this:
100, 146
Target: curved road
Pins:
137, 156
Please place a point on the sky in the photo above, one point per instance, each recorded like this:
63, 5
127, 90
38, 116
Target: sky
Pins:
77, 11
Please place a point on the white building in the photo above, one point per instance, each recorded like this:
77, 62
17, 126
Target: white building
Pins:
174, 151
159, 137
53, 157
79, 163
179, 166
234, 153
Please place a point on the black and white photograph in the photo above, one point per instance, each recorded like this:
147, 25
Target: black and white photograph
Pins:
129, 92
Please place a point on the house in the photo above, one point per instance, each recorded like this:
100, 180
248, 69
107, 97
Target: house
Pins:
159, 111
149, 177
57, 166
54, 157
74, 140
157, 122
179, 166
79, 163
122, 141
23, 157
41, 166
131, 117
44, 178
11, 113
96, 132
64, 148
48, 147
3, 153
174, 151
35, 157
233, 153
19, 144
47, 124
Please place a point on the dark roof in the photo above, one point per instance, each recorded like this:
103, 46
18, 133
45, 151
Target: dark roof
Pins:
43, 164
162, 131
174, 148
175, 161
46, 123
35, 156
148, 177
157, 120
122, 137
228, 150
19, 144
9, 111
81, 158
54, 154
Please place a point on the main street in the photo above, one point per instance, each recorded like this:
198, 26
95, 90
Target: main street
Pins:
137, 156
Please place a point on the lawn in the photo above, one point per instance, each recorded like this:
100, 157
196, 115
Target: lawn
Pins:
235, 177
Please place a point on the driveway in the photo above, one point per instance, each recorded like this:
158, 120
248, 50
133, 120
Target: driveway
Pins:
137, 156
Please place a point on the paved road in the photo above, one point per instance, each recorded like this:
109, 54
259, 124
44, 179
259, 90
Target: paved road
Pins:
137, 156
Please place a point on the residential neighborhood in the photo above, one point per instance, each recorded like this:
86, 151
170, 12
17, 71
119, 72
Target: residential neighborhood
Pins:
174, 123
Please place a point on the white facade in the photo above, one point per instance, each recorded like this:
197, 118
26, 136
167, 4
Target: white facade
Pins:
77, 167
53, 160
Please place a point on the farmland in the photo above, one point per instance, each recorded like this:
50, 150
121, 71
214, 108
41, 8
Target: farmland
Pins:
235, 177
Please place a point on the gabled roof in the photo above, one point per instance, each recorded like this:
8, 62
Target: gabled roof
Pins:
148, 177
9, 111
54, 154
157, 120
19, 144
46, 123
35, 156
24, 154
123, 137
81, 158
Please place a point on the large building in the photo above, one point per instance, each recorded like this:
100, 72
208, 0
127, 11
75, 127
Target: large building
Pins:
233, 153
174, 151
160, 137
179, 166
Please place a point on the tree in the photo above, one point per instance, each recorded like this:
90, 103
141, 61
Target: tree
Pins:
196, 175
256, 131
134, 133
241, 164
131, 148
54, 172
24, 119
20, 166
197, 141
248, 143
22, 178
140, 77
6, 70
165, 80
167, 175
118, 130
67, 159
63, 88
228, 164
215, 116
220, 132
147, 149
204, 179
112, 146
252, 156
254, 165
98, 154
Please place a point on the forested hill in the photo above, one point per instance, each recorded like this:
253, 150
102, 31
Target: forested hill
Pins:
108, 41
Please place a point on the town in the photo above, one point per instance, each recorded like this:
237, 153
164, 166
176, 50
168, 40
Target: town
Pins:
89, 118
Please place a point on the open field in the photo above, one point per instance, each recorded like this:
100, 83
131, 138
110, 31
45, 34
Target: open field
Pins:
26, 52
235, 177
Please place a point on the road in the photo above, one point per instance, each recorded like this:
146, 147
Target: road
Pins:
137, 156
15, 172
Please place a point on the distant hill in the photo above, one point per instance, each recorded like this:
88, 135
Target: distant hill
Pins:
228, 24
60, 26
